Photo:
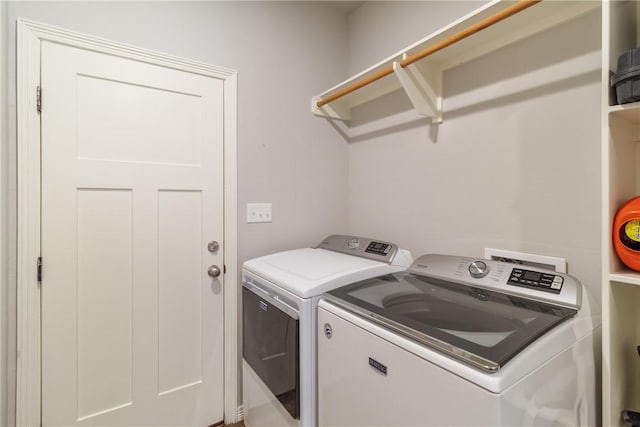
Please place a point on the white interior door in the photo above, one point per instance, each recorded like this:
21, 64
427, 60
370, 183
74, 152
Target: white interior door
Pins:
132, 192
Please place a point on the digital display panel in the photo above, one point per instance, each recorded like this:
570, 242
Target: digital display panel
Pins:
378, 248
532, 275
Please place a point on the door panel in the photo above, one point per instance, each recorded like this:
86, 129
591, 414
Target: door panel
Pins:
104, 300
179, 305
104, 133
132, 191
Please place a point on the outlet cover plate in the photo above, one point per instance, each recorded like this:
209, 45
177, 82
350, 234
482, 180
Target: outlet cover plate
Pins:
259, 212
532, 260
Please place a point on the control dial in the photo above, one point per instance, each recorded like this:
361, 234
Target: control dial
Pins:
478, 269
353, 243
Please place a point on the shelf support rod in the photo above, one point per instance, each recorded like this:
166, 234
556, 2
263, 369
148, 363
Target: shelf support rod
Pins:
454, 38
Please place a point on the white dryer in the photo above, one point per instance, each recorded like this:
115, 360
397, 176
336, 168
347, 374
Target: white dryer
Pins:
279, 296
458, 342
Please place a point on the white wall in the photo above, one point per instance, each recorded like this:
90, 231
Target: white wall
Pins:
284, 52
516, 163
379, 29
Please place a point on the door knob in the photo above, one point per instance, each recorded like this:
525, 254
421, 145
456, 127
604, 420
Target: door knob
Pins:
213, 271
213, 246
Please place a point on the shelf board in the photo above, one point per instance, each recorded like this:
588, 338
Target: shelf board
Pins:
627, 277
542, 16
629, 112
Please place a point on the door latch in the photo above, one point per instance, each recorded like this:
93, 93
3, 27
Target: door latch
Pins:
39, 269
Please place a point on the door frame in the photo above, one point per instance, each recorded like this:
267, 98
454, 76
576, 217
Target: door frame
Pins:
30, 35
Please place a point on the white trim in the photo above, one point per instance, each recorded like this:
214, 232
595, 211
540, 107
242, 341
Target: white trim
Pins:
30, 36
50, 33
231, 372
3, 216
28, 236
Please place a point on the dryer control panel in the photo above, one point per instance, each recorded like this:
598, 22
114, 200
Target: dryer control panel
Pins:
360, 246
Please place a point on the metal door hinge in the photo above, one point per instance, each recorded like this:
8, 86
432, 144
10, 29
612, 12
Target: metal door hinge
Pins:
39, 267
39, 99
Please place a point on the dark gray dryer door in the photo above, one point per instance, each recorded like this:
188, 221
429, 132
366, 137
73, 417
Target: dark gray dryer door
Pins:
270, 338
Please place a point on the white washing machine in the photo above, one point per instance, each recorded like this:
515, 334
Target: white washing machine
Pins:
279, 296
458, 342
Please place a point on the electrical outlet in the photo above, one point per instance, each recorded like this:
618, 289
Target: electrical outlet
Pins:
540, 261
259, 212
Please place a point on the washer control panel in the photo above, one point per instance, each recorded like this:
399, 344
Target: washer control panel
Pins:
536, 280
517, 280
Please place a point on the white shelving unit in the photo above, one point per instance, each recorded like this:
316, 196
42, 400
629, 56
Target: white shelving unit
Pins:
621, 182
422, 81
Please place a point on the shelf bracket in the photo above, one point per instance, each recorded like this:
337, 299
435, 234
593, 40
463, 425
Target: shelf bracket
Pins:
429, 77
424, 93
331, 111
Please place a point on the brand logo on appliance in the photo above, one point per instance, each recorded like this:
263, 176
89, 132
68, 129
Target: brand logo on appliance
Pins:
264, 305
422, 266
378, 366
328, 330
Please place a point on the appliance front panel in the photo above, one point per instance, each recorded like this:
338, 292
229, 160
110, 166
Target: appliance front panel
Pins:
364, 380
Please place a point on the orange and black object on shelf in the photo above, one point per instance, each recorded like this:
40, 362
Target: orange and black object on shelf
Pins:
626, 234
